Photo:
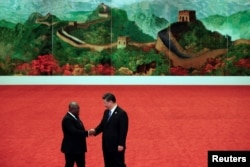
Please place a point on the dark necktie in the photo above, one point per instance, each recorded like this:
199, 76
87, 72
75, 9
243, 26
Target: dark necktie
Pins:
110, 113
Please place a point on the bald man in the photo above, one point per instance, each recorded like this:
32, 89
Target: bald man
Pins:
74, 137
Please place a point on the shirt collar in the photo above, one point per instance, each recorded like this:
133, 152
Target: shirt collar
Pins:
113, 109
72, 115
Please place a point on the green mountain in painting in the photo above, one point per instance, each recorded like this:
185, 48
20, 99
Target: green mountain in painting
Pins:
236, 24
108, 30
7, 24
194, 36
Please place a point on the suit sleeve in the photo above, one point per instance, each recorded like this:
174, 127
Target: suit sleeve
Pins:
123, 124
99, 128
68, 126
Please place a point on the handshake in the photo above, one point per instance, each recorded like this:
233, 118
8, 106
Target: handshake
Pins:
91, 132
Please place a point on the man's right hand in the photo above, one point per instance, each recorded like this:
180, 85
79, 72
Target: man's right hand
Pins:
92, 132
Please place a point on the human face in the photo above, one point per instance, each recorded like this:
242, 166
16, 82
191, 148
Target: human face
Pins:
108, 104
76, 110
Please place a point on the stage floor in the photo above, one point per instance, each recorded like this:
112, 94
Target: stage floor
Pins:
171, 126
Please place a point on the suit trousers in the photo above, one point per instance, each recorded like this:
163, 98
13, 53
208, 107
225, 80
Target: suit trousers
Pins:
114, 159
79, 159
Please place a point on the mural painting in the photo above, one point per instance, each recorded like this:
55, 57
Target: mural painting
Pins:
135, 37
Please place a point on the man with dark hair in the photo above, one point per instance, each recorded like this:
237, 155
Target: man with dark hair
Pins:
74, 137
114, 128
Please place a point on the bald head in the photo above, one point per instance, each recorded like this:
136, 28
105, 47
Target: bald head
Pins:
74, 108
73, 104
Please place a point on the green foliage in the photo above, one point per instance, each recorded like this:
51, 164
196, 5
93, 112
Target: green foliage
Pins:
232, 70
132, 58
162, 65
239, 51
4, 23
121, 26
6, 35
194, 35
235, 54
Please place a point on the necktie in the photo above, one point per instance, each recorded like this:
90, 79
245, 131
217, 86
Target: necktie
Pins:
110, 113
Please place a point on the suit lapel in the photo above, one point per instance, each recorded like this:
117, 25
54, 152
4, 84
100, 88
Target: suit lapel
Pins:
112, 116
79, 122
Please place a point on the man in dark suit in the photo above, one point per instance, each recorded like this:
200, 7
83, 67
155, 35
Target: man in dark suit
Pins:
114, 128
74, 137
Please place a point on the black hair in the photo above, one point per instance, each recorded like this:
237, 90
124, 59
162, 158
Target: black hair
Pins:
109, 97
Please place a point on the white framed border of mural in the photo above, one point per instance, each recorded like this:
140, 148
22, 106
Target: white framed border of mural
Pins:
124, 80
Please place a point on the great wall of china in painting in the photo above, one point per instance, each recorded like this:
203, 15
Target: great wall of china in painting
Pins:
111, 40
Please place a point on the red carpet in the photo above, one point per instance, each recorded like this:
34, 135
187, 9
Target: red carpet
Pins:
170, 126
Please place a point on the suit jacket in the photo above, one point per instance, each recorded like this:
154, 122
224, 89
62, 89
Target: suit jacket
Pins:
114, 131
74, 135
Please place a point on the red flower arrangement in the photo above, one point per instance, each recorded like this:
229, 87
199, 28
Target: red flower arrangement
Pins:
76, 69
211, 65
105, 69
48, 65
43, 65
178, 71
245, 63
89, 69
23, 69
